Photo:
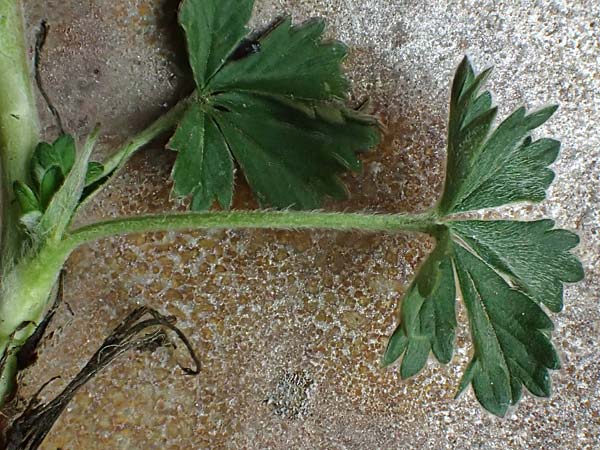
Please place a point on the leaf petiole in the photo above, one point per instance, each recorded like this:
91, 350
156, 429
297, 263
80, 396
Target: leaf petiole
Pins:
295, 220
161, 125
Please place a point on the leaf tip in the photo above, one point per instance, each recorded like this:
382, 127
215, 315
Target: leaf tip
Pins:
540, 116
395, 347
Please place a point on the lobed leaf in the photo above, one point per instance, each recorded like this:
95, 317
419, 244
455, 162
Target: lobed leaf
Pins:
504, 271
50, 164
291, 156
59, 155
272, 104
51, 169
292, 62
533, 256
428, 318
204, 166
511, 347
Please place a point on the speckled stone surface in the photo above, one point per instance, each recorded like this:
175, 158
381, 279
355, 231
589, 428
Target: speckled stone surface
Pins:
290, 326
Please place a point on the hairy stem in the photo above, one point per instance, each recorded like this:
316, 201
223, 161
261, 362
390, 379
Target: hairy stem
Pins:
19, 129
161, 125
24, 296
252, 219
118, 160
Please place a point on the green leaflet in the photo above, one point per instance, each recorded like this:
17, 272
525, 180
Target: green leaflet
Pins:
292, 62
95, 172
317, 148
204, 166
503, 270
511, 347
50, 164
26, 198
60, 155
492, 169
428, 318
534, 257
49, 185
272, 104
213, 29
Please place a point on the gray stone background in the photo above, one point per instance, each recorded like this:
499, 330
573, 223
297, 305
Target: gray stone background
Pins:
291, 326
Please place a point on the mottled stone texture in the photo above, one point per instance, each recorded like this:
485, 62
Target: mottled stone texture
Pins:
296, 322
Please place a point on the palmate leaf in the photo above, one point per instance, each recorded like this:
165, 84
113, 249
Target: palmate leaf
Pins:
504, 271
277, 110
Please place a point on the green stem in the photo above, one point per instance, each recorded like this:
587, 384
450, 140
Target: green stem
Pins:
164, 123
32, 280
19, 129
117, 161
252, 219
25, 293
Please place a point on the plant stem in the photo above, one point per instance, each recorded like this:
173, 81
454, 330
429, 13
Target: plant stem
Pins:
19, 129
26, 289
252, 219
25, 293
161, 125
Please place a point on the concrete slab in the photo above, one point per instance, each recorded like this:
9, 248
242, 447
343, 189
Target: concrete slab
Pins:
291, 326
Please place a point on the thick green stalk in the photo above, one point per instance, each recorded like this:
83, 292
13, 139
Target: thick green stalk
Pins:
27, 288
19, 129
295, 220
19, 134
25, 293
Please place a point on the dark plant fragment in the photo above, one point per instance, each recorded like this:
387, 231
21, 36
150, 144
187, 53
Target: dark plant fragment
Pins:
28, 431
